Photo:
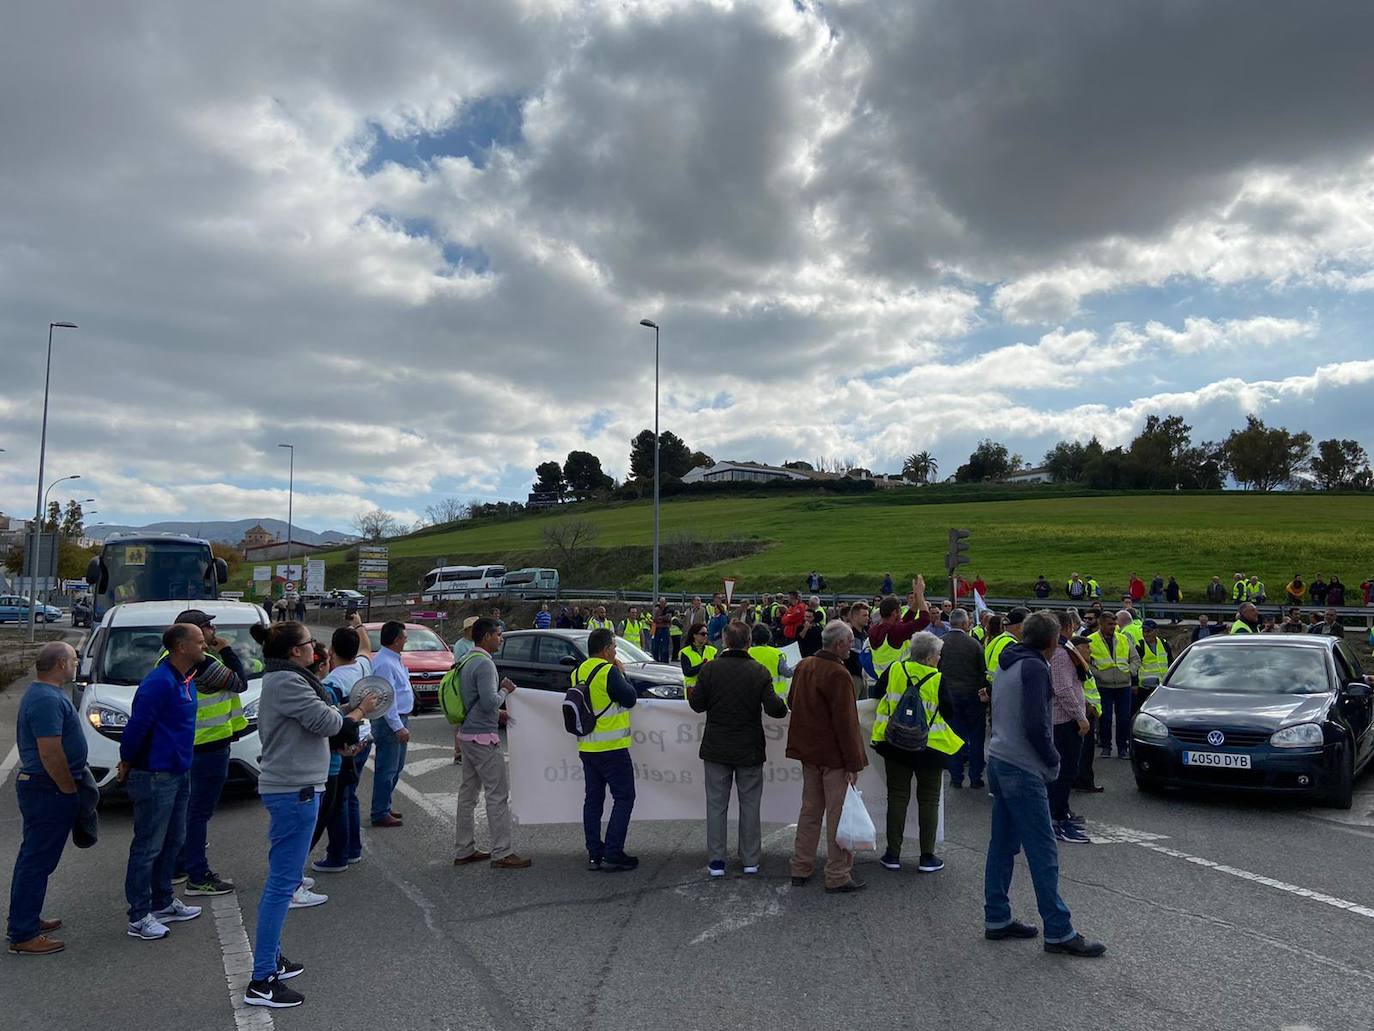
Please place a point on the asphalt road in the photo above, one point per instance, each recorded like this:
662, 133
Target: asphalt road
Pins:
1218, 913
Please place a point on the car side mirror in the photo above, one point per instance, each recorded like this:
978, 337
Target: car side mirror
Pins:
221, 571
1358, 691
1150, 683
568, 660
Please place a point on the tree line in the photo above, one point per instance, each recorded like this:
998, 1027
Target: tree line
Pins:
1163, 456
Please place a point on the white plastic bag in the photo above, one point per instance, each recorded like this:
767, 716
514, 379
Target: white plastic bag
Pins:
856, 830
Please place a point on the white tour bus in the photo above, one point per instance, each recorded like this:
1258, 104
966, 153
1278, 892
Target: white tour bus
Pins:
518, 582
444, 583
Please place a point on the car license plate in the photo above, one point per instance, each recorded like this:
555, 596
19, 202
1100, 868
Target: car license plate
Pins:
1224, 760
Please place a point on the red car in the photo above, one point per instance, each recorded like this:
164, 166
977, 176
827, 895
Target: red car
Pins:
426, 658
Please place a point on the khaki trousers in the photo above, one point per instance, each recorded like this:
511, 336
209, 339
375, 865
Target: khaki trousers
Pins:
484, 770
823, 792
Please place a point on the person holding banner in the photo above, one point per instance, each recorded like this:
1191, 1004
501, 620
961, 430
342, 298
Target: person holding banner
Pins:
824, 735
734, 691
605, 755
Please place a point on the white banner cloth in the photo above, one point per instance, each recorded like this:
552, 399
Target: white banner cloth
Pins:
546, 773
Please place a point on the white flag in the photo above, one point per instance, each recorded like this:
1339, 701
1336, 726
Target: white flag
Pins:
978, 607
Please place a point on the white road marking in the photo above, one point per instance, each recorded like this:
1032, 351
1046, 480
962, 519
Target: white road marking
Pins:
744, 908
11, 761
422, 766
238, 963
1143, 839
1109, 834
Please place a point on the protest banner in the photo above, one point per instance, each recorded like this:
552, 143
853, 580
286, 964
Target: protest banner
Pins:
546, 774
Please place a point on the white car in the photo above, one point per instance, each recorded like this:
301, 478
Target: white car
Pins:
122, 651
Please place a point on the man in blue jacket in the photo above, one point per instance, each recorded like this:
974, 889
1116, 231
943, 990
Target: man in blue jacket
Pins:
1022, 761
154, 766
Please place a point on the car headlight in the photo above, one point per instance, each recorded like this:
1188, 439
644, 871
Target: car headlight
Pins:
1147, 728
102, 717
1300, 735
663, 691
250, 711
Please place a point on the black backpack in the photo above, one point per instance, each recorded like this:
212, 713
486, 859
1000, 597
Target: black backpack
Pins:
579, 718
907, 726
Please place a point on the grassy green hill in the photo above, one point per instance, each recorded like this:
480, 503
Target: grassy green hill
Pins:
772, 542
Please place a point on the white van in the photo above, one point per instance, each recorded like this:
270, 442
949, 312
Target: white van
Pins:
446, 583
521, 582
121, 652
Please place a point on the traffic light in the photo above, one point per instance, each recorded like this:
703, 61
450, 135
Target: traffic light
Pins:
957, 555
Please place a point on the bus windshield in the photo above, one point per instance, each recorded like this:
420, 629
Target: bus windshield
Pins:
155, 570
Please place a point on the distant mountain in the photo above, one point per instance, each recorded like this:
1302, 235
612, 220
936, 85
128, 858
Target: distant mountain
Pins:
225, 531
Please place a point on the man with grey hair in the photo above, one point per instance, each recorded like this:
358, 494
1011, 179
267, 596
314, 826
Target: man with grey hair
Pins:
963, 674
1022, 761
52, 758
824, 735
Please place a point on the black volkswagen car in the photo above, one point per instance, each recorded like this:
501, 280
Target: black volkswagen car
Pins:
544, 660
1275, 713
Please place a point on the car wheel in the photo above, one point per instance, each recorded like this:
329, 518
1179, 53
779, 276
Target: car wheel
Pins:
1342, 795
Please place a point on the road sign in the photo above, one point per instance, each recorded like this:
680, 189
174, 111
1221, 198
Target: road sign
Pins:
372, 567
729, 589
426, 615
314, 576
290, 587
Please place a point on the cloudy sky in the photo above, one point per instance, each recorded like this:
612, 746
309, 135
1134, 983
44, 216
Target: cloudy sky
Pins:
416, 240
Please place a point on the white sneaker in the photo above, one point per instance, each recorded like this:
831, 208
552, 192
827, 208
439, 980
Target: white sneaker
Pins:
307, 882
177, 912
751, 870
149, 929
303, 898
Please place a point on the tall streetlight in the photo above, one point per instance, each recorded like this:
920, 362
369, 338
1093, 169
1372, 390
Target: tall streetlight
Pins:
290, 501
654, 326
42, 454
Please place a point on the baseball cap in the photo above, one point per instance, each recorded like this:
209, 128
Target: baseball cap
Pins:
468, 623
1017, 616
199, 617
1149, 624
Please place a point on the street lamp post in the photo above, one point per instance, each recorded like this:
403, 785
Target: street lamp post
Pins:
654, 326
290, 501
42, 454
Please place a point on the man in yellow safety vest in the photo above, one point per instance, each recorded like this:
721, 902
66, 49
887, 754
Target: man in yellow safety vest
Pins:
772, 659
605, 754
1247, 620
219, 681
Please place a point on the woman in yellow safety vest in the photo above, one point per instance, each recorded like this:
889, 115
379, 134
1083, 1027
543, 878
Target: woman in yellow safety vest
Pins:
926, 766
695, 654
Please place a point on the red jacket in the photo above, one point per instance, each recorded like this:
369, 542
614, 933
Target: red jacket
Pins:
792, 620
1137, 588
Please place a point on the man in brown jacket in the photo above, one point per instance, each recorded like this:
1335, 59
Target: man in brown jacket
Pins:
824, 735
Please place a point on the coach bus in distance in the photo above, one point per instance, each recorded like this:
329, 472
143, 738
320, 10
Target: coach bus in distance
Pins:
444, 583
154, 567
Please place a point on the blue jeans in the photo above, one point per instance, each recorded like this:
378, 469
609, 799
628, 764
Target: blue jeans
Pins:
352, 809
661, 645
386, 772
971, 724
48, 816
159, 829
604, 770
209, 771
1116, 708
291, 821
1021, 819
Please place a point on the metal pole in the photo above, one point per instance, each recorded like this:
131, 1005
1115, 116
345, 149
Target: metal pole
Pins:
290, 503
38, 499
655, 464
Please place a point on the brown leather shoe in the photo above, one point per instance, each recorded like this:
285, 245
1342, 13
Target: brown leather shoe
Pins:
511, 862
476, 857
388, 821
399, 815
40, 946
49, 925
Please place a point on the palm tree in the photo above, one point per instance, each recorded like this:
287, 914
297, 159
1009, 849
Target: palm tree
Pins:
920, 467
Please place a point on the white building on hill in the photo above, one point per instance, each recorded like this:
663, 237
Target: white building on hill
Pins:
741, 472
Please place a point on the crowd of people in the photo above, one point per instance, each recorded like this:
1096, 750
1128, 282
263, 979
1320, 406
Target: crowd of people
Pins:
1019, 703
